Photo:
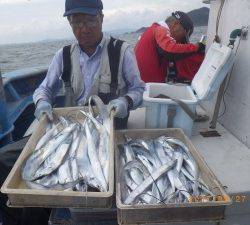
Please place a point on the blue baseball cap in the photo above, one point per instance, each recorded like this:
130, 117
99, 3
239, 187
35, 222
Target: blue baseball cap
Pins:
92, 7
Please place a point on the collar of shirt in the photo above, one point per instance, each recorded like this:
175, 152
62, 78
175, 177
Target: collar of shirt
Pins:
97, 51
163, 24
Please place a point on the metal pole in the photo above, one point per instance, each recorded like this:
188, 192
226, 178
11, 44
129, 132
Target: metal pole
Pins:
2, 100
217, 105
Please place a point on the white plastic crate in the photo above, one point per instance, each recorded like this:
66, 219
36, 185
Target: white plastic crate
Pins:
158, 109
162, 112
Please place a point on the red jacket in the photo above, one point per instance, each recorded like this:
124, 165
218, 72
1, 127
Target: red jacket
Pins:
155, 48
188, 67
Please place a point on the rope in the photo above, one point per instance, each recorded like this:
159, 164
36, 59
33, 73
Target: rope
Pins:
217, 38
228, 82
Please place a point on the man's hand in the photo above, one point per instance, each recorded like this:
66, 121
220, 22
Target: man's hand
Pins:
201, 47
43, 107
120, 107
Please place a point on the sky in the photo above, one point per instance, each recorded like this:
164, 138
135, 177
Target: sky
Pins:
37, 20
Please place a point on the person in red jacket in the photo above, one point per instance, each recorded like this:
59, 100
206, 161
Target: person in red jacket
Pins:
168, 41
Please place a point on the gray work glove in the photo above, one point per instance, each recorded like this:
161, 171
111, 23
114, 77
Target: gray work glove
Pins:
120, 107
43, 107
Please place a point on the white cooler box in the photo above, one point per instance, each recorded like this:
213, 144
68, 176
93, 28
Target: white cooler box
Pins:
163, 112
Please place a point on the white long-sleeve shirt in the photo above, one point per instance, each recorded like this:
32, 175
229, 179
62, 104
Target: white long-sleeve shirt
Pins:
89, 65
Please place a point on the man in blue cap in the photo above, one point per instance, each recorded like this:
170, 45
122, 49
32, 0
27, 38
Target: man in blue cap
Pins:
95, 65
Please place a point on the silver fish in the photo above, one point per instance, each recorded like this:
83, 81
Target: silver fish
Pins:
84, 167
103, 115
38, 157
151, 163
35, 160
103, 145
94, 160
179, 156
54, 160
146, 183
47, 136
103, 150
128, 153
135, 173
77, 135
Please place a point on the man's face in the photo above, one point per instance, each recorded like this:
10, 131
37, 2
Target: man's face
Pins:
87, 29
178, 32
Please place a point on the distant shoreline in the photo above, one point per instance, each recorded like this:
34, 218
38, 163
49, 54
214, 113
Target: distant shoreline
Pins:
72, 39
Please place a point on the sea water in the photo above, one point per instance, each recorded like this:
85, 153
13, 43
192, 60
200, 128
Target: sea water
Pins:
40, 54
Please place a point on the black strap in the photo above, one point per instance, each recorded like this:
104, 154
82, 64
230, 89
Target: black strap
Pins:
66, 75
114, 52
